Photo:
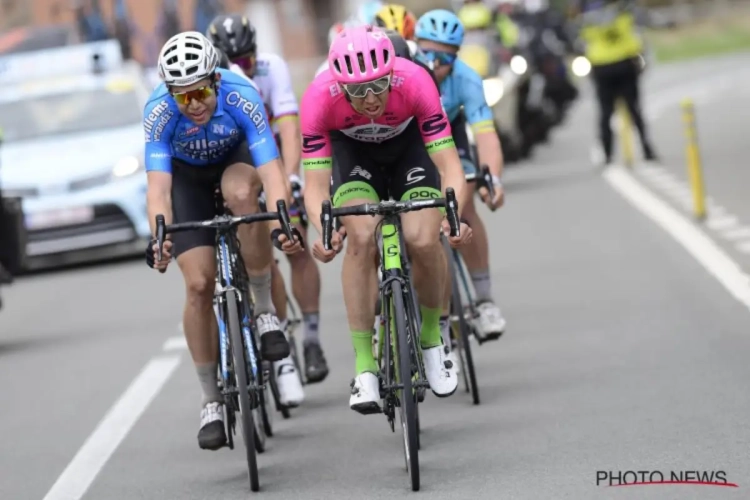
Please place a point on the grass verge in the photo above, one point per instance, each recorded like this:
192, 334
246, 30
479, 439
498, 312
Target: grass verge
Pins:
702, 39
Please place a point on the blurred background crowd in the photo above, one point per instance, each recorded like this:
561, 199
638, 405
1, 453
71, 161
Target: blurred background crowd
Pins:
297, 29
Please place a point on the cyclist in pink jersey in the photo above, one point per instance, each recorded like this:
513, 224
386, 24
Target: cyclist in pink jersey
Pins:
373, 128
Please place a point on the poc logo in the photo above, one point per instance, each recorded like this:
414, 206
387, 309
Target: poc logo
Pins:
252, 109
361, 172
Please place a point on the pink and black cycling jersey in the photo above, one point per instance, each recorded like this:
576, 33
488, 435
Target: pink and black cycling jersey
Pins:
413, 96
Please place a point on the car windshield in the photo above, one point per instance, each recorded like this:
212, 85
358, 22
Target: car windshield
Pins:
73, 112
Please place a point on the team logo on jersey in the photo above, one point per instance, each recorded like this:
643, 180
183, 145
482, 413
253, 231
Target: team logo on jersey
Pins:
190, 131
206, 150
156, 120
251, 109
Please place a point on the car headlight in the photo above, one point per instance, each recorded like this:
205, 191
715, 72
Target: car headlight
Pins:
581, 66
518, 65
126, 167
493, 90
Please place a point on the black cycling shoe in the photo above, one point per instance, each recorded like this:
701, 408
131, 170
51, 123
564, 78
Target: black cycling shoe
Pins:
212, 436
274, 346
316, 367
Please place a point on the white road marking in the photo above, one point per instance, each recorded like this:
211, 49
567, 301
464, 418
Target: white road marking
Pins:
744, 247
176, 343
101, 444
737, 233
695, 241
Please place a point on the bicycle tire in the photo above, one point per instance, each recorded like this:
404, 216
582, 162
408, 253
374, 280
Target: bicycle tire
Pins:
464, 334
240, 373
284, 410
295, 359
408, 398
265, 402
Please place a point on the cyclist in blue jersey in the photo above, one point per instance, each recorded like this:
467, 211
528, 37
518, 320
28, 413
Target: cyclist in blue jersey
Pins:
206, 128
439, 36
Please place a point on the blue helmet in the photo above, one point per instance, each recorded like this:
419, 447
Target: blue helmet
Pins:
441, 26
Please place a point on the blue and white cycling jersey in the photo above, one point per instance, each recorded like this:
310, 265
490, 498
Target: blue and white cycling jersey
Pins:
240, 116
463, 87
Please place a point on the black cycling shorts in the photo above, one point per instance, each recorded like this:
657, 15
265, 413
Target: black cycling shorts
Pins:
465, 153
194, 197
399, 168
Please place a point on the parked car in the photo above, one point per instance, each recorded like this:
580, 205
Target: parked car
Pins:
73, 151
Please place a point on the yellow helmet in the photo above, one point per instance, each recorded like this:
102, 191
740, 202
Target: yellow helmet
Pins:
475, 16
396, 17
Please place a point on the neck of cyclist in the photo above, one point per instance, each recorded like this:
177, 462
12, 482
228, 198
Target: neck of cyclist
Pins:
372, 106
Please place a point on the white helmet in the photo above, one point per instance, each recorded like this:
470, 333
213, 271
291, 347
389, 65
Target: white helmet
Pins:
187, 58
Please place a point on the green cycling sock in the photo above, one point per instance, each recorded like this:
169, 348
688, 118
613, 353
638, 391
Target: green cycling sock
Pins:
364, 361
430, 334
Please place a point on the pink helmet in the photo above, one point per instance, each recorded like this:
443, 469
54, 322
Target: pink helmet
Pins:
361, 54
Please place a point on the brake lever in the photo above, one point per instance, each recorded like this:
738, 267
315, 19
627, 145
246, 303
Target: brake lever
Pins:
326, 222
488, 182
161, 229
286, 224
451, 210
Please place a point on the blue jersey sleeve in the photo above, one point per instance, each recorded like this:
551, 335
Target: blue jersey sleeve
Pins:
245, 106
160, 117
478, 113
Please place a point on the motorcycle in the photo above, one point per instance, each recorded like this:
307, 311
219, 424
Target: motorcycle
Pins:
482, 52
548, 91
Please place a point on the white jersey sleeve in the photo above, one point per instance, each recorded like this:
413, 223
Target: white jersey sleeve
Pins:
323, 67
236, 69
273, 78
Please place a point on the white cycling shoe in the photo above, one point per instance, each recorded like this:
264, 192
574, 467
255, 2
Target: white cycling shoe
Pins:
490, 322
440, 370
291, 393
365, 397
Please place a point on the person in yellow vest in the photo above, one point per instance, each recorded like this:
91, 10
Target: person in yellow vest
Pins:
614, 47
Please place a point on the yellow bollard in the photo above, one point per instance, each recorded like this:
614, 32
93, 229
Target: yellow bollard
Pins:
626, 133
692, 152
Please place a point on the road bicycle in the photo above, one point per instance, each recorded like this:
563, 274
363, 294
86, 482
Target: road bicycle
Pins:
399, 357
242, 376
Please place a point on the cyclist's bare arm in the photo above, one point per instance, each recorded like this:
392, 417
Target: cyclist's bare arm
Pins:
159, 197
451, 173
317, 190
291, 143
274, 185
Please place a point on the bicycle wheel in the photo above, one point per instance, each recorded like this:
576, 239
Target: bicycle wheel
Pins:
240, 373
284, 410
462, 333
408, 398
265, 401
258, 418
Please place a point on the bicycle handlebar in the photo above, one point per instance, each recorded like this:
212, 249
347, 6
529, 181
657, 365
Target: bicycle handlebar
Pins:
386, 208
223, 222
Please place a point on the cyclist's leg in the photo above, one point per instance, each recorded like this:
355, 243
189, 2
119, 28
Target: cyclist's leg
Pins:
429, 267
476, 253
278, 288
306, 291
240, 185
463, 147
288, 383
357, 179
192, 200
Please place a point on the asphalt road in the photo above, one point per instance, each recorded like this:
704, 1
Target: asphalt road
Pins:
622, 353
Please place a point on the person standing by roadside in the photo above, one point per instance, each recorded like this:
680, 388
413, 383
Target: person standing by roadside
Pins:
615, 50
